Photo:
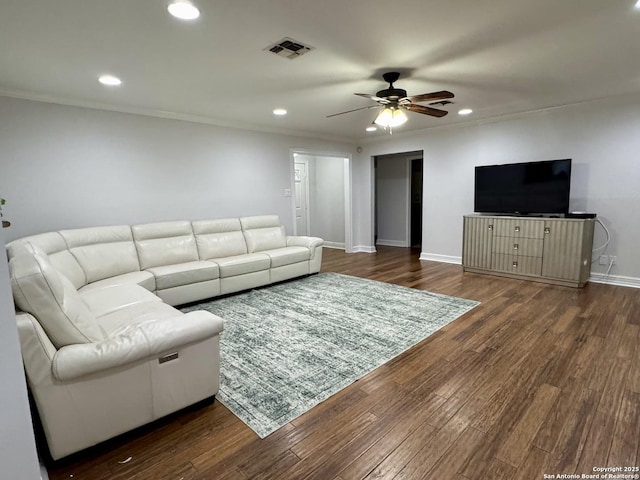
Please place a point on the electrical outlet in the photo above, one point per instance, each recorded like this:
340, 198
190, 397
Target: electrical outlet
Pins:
612, 259
604, 260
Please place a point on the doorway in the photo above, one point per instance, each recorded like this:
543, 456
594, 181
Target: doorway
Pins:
398, 183
322, 197
416, 203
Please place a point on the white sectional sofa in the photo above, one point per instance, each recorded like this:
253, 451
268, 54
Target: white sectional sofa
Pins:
104, 348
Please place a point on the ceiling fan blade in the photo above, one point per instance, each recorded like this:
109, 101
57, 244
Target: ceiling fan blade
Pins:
354, 110
431, 96
434, 112
373, 97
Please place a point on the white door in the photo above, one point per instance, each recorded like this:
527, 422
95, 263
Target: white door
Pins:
301, 181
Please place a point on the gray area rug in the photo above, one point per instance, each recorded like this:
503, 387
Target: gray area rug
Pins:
287, 347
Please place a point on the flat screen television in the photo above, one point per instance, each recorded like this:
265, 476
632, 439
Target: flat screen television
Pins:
523, 188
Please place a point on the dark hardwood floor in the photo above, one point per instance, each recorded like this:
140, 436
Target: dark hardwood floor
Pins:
538, 379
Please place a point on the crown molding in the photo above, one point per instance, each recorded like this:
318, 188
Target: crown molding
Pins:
166, 114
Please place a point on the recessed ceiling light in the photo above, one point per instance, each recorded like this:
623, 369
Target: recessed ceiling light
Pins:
183, 9
279, 112
371, 129
109, 80
465, 111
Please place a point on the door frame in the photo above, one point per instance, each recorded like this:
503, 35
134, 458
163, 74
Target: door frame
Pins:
348, 236
409, 157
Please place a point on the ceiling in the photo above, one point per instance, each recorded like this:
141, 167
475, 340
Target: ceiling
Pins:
498, 57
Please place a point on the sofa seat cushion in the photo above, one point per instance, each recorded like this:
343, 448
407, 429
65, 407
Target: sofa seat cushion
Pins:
242, 264
287, 256
137, 314
102, 301
144, 279
169, 276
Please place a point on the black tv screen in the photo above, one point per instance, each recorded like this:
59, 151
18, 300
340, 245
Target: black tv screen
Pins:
523, 188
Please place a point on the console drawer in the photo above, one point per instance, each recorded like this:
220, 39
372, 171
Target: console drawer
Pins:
516, 264
529, 247
518, 227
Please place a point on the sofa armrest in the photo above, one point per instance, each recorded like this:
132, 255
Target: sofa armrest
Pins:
135, 343
302, 241
37, 349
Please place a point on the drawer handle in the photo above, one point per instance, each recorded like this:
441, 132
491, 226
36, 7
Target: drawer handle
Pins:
490, 227
517, 228
514, 264
516, 246
547, 230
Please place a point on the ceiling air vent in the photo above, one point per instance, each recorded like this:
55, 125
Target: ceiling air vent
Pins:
289, 48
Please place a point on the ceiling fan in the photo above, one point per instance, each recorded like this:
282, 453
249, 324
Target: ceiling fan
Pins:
395, 100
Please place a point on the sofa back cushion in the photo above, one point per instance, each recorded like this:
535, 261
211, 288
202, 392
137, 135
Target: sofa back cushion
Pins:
55, 247
39, 289
164, 243
263, 232
219, 238
103, 252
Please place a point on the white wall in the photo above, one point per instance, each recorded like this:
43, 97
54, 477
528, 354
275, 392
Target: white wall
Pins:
601, 137
392, 200
68, 167
327, 199
18, 458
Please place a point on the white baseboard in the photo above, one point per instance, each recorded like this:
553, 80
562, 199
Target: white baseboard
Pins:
363, 249
434, 257
391, 243
617, 280
337, 245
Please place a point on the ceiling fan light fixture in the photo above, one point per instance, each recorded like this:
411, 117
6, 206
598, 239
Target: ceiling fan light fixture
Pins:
390, 117
465, 111
183, 9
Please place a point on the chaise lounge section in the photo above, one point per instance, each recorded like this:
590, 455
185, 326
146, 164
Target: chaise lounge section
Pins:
104, 349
